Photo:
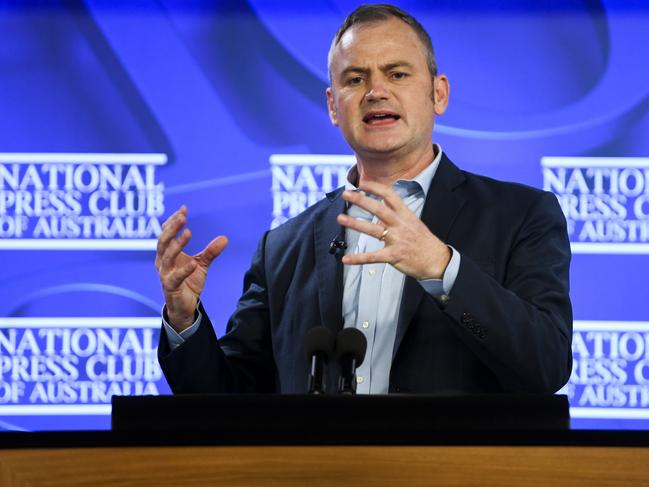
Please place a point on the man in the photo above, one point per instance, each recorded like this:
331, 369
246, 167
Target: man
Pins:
459, 282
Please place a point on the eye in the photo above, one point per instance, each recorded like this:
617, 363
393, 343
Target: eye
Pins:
356, 80
398, 75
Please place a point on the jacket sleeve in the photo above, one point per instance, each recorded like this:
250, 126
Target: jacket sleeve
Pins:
242, 360
521, 328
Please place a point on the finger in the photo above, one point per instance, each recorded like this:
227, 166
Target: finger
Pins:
175, 278
386, 193
174, 248
375, 207
212, 250
371, 229
174, 224
379, 256
181, 211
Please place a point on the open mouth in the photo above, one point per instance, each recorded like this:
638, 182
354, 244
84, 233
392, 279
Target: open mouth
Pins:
380, 118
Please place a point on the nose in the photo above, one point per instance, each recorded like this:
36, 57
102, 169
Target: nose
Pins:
376, 90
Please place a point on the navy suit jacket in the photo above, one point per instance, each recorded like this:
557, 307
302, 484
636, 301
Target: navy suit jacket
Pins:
507, 326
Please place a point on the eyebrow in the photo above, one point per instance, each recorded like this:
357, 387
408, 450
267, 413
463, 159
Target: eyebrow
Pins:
385, 67
398, 64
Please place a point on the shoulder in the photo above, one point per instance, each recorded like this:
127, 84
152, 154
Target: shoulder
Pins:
493, 193
505, 192
497, 203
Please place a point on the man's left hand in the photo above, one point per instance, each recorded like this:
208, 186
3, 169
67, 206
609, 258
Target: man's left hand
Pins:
410, 246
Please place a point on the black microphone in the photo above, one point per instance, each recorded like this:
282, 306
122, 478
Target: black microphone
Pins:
338, 245
350, 352
319, 346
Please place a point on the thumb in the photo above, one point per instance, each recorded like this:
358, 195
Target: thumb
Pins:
212, 251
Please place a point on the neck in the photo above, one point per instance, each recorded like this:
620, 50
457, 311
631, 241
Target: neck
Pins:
388, 169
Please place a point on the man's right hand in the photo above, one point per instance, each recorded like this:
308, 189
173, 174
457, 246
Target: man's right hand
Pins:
183, 276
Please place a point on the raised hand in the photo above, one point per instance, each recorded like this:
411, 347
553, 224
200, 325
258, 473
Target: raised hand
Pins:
409, 245
183, 276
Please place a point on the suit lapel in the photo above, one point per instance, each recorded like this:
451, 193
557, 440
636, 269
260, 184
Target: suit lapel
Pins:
440, 210
329, 269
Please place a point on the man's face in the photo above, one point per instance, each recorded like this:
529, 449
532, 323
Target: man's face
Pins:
381, 93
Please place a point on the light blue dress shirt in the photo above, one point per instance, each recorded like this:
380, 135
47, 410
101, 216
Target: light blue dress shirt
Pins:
372, 292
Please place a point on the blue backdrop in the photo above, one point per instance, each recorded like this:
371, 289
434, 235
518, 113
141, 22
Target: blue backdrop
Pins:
113, 114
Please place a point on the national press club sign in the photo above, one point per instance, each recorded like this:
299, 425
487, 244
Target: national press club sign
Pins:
79, 201
301, 180
74, 365
610, 373
605, 201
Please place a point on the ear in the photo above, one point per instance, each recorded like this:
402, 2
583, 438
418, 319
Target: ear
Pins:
331, 107
441, 91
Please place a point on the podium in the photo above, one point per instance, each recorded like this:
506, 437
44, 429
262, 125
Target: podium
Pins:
255, 440
245, 419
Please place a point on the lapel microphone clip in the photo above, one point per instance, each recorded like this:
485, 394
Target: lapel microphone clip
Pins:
338, 246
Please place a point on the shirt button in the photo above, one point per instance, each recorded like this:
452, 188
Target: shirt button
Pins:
360, 379
366, 324
372, 272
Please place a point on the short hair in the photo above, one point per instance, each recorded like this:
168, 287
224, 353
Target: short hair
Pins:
381, 12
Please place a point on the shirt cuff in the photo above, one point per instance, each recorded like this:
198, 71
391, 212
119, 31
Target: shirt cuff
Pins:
441, 288
176, 339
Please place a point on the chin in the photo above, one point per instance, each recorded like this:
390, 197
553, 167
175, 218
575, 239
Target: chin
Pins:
378, 145
377, 152
381, 147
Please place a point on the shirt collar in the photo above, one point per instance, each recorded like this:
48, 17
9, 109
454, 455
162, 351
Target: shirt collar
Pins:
404, 187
